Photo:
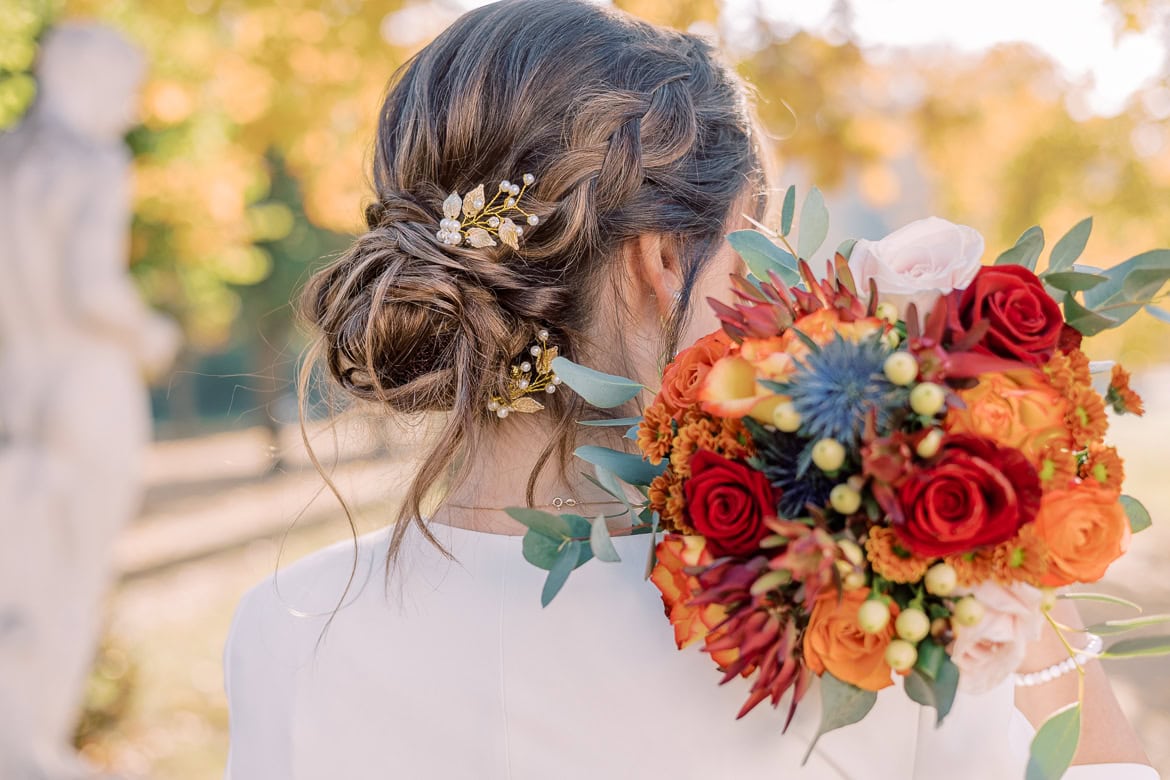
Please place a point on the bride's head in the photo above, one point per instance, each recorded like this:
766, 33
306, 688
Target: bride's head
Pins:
644, 157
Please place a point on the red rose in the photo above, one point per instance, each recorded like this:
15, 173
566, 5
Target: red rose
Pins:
727, 503
973, 494
1025, 323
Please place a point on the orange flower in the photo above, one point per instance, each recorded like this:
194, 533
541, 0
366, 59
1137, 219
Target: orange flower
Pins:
676, 552
1017, 409
730, 388
890, 559
1104, 465
1023, 559
1057, 468
972, 568
835, 642
1086, 418
699, 431
1085, 529
685, 374
1068, 372
1120, 396
666, 498
655, 433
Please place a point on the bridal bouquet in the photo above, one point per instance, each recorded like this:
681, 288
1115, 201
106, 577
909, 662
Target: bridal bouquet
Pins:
883, 472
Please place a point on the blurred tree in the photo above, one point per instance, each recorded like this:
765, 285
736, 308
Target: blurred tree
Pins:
1000, 139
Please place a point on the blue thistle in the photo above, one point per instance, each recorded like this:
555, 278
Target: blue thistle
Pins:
838, 385
783, 459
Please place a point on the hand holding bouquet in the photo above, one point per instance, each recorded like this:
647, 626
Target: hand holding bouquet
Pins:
882, 473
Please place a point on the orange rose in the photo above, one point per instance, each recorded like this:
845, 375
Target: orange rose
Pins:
685, 374
691, 624
1085, 529
833, 641
1016, 409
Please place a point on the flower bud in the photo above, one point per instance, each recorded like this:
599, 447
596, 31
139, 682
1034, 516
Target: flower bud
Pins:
776, 578
873, 616
845, 499
901, 368
928, 445
901, 655
851, 551
853, 580
927, 399
888, 312
968, 612
828, 455
912, 625
941, 579
786, 418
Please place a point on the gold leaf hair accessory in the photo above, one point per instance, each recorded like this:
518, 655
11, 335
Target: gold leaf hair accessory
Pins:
482, 220
528, 377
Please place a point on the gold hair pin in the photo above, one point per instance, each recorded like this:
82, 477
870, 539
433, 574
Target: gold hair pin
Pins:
482, 220
526, 378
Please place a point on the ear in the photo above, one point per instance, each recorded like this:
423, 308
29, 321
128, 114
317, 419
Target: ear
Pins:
652, 265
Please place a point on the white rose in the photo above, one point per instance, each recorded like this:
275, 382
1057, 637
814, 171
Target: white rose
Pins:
918, 263
987, 652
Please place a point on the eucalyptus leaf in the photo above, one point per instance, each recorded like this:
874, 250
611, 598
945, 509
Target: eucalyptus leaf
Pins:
601, 543
564, 564
1103, 597
845, 249
937, 693
1073, 281
1138, 647
607, 481
1158, 313
553, 526
540, 550
786, 211
628, 468
1110, 627
632, 433
1089, 323
762, 256
1070, 246
1054, 745
617, 422
602, 390
814, 224
1026, 251
1139, 516
842, 705
1124, 298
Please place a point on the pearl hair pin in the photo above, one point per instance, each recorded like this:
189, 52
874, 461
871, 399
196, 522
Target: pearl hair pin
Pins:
1056, 671
482, 219
533, 374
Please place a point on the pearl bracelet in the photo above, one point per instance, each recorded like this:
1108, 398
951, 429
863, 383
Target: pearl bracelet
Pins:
1092, 650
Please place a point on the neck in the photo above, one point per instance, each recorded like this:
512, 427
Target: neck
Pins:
497, 477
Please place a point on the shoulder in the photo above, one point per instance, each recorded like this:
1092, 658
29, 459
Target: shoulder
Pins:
290, 607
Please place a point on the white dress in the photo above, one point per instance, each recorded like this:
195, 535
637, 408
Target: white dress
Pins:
453, 671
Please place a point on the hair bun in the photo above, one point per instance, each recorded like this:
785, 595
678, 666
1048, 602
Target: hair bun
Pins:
403, 322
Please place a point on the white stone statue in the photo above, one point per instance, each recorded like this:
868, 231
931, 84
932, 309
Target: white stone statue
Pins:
75, 344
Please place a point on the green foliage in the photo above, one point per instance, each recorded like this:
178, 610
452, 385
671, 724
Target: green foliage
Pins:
1070, 246
787, 210
601, 390
1109, 627
763, 256
842, 705
1026, 250
1054, 745
22, 24
601, 543
934, 690
631, 469
1139, 516
1138, 647
814, 224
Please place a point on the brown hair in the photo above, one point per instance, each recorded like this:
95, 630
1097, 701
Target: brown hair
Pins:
628, 128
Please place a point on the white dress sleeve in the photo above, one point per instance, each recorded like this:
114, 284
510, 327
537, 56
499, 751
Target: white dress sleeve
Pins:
1111, 772
258, 692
